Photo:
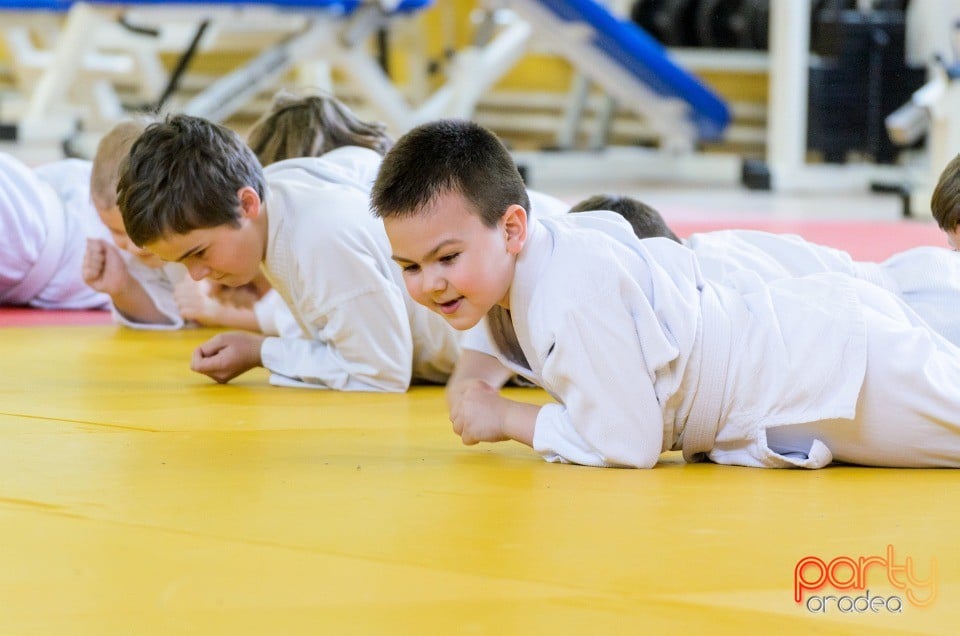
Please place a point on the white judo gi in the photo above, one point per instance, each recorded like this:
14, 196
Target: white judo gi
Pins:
926, 278
45, 219
643, 355
543, 205
330, 260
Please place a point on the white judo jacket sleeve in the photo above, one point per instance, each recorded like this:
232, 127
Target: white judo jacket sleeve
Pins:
610, 415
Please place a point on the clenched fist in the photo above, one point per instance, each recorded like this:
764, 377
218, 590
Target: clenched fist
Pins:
227, 355
104, 268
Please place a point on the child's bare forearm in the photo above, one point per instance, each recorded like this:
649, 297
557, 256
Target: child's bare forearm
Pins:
520, 421
241, 318
233, 317
135, 304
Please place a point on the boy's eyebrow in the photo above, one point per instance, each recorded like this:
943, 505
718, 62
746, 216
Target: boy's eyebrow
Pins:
189, 252
428, 255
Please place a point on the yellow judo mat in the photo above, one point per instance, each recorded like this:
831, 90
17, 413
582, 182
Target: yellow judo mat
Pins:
137, 497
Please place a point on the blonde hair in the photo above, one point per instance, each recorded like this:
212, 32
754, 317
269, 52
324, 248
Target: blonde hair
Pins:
111, 152
311, 125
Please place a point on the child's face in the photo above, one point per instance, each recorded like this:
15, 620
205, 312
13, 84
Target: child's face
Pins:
452, 263
112, 218
227, 255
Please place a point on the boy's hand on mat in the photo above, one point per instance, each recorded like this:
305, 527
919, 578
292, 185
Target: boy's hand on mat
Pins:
194, 302
243, 297
227, 355
103, 268
478, 413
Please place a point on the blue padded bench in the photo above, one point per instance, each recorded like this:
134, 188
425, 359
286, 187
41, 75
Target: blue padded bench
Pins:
633, 50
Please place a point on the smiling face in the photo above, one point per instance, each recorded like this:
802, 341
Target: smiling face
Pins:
230, 255
452, 263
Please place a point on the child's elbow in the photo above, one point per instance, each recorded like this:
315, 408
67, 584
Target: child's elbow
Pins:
395, 380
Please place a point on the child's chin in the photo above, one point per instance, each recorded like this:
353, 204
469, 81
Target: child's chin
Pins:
460, 323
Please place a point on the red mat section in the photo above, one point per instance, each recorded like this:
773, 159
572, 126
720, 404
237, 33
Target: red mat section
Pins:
864, 240
21, 317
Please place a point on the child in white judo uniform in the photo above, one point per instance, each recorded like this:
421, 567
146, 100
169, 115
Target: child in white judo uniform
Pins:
145, 292
926, 278
45, 218
639, 352
56, 216
307, 223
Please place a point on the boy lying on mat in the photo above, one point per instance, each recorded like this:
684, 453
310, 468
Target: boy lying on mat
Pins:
640, 352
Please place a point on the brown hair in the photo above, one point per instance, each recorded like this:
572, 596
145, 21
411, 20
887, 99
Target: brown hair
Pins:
646, 221
449, 155
945, 202
309, 126
183, 174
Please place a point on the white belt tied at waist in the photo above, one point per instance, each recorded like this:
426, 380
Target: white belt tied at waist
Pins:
700, 430
48, 260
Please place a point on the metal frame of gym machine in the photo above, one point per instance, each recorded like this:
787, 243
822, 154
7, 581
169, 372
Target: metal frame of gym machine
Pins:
786, 151
786, 158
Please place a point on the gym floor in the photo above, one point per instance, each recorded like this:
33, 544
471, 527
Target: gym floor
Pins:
139, 497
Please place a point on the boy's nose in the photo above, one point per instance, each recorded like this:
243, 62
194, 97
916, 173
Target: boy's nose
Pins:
433, 283
198, 272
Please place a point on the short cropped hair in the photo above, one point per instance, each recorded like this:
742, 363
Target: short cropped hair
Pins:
111, 152
444, 156
184, 174
646, 221
311, 125
945, 202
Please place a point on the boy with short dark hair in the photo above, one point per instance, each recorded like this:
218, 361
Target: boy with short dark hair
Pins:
145, 292
193, 192
641, 354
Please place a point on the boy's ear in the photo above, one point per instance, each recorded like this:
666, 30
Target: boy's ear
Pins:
514, 222
249, 202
